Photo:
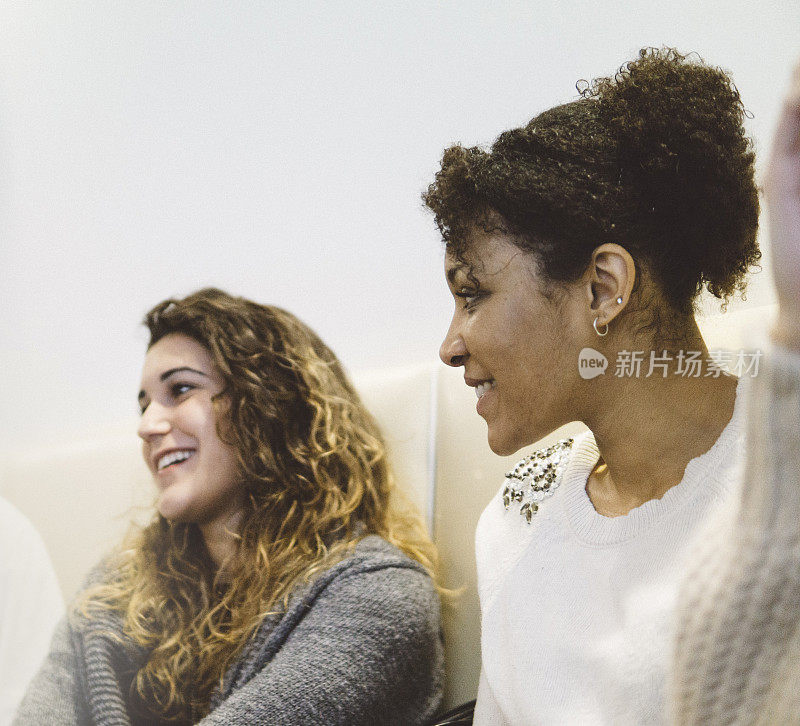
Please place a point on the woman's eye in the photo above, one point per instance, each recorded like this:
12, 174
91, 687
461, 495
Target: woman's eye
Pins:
178, 389
468, 295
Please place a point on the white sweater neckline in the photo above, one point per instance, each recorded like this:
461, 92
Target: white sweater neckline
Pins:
701, 478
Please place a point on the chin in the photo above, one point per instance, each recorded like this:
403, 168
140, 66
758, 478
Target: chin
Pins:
503, 446
174, 511
511, 442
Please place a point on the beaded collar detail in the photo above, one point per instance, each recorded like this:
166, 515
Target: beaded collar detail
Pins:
536, 477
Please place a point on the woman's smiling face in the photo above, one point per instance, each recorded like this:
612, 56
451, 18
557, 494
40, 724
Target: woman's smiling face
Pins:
516, 345
194, 470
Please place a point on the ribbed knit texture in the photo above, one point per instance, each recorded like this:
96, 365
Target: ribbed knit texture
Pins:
360, 646
737, 650
577, 608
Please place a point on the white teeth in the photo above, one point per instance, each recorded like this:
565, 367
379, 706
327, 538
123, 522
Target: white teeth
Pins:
172, 457
481, 388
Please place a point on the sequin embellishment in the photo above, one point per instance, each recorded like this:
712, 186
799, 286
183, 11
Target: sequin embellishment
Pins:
536, 477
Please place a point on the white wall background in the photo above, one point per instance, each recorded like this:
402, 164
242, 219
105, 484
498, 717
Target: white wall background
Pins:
278, 150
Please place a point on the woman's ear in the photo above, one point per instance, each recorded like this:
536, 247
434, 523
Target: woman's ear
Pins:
611, 276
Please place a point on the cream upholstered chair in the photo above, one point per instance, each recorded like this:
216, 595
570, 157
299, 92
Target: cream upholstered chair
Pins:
82, 496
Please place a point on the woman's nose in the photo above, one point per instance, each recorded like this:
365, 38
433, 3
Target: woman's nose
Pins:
453, 350
154, 422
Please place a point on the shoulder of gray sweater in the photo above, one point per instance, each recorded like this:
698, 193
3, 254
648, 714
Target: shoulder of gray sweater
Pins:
372, 554
375, 550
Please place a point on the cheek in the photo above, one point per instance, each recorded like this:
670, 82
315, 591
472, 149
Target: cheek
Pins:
203, 422
224, 462
226, 484
549, 334
228, 466
534, 345
543, 369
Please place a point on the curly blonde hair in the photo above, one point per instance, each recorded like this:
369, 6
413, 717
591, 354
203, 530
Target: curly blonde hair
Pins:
313, 464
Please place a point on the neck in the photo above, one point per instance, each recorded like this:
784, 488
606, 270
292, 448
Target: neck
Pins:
221, 539
649, 429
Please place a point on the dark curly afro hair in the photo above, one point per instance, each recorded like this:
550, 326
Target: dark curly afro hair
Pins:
654, 158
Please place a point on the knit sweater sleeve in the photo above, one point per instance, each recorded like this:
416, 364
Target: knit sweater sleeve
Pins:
737, 644
364, 650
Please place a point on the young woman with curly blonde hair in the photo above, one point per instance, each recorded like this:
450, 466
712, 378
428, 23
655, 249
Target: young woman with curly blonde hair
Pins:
281, 580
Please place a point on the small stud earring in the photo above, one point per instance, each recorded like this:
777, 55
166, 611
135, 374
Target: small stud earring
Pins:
619, 300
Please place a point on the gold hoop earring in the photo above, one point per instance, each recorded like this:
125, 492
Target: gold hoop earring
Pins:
597, 330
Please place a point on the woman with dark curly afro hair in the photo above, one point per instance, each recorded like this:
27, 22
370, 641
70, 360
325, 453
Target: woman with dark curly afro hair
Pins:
281, 580
576, 248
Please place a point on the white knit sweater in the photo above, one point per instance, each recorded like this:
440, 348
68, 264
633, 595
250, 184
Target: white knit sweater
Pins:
737, 657
577, 608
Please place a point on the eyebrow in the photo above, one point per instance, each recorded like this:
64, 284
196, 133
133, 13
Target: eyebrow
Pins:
172, 372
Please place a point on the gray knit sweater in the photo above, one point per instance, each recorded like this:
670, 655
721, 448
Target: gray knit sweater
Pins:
360, 646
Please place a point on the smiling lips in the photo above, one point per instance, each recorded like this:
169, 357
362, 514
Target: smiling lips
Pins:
172, 457
483, 387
